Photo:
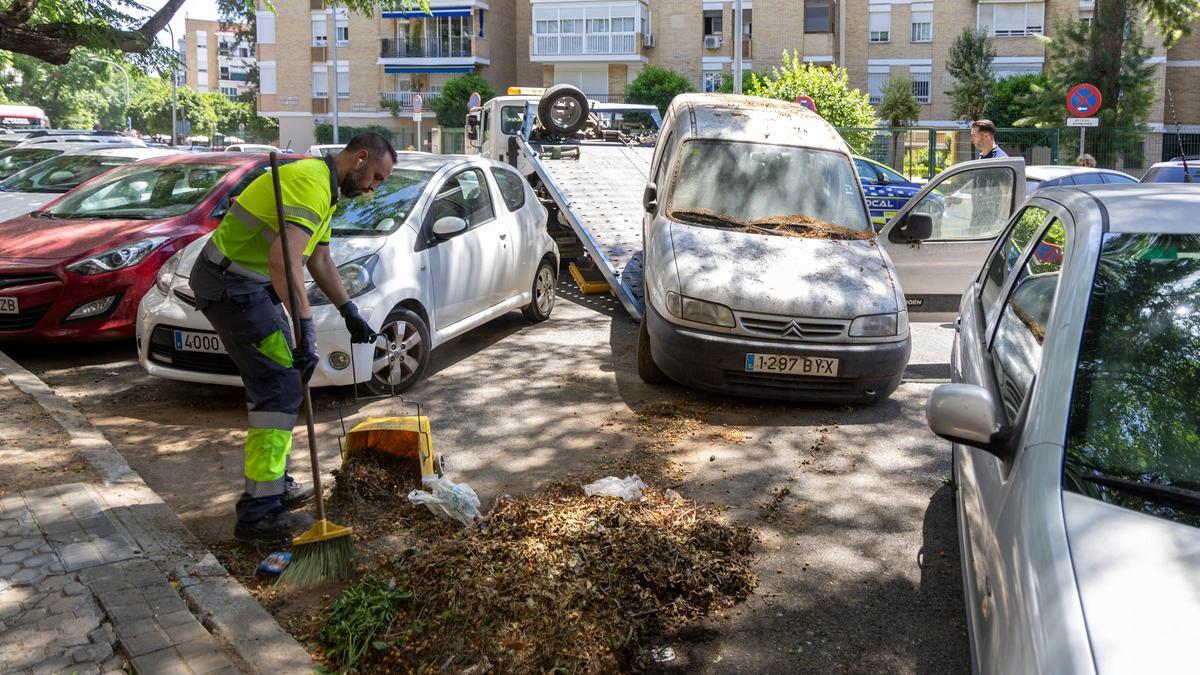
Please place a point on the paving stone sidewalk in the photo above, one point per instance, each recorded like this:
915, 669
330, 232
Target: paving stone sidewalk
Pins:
77, 597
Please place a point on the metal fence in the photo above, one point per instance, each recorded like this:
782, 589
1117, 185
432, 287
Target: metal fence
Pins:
922, 152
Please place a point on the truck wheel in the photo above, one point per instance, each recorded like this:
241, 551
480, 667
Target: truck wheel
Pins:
647, 369
401, 355
542, 302
563, 109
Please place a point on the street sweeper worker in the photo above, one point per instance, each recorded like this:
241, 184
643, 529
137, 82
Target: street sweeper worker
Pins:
240, 285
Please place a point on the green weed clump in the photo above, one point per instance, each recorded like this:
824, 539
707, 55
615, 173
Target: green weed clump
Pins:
360, 618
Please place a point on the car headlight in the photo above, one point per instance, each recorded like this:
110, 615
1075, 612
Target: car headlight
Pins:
879, 325
167, 272
356, 277
700, 311
118, 258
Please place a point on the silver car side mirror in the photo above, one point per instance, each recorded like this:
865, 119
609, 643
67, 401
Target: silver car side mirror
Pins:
448, 226
967, 414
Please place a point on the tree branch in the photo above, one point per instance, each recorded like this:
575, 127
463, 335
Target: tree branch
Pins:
160, 19
21, 10
53, 42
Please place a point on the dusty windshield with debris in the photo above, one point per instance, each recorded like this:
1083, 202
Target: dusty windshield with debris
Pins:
771, 189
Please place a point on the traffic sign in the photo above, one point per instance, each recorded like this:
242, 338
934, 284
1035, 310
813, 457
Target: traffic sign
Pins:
1083, 122
474, 101
1083, 100
807, 102
418, 104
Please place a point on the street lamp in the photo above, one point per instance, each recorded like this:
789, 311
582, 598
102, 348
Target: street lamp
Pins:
124, 72
174, 80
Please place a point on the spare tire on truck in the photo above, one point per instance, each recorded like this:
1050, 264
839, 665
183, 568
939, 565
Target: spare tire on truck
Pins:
563, 110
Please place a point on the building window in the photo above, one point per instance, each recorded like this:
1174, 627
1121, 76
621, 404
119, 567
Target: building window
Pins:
818, 18
1003, 70
343, 30
876, 82
921, 86
265, 25
266, 77
547, 27
320, 83
747, 20
880, 26
224, 74
623, 24
922, 26
320, 31
1011, 19
343, 81
481, 23
712, 81
712, 21
597, 25
229, 92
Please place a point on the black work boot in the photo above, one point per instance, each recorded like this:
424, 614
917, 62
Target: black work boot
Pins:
273, 529
295, 494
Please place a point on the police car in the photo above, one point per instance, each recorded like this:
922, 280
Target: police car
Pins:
886, 190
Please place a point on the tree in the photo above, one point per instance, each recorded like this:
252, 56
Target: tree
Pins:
970, 64
75, 96
726, 86
1006, 104
151, 109
451, 104
657, 87
829, 88
51, 29
899, 109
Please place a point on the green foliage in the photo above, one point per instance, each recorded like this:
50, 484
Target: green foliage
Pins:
360, 617
899, 107
916, 161
657, 86
324, 132
74, 96
829, 88
726, 86
969, 62
451, 104
1006, 105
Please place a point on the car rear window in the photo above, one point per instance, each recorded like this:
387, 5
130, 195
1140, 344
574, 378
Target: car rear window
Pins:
512, 188
1171, 174
22, 158
62, 174
1134, 425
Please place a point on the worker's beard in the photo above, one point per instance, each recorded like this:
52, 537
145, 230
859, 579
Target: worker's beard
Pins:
357, 182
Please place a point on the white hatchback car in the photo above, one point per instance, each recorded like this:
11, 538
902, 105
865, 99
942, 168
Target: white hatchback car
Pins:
446, 244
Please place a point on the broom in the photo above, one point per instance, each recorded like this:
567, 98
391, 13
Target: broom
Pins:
324, 550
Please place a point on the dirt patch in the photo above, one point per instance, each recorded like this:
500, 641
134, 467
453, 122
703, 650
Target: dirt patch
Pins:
34, 450
668, 423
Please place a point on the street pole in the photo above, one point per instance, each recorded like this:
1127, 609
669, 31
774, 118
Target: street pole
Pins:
737, 46
174, 83
333, 6
128, 124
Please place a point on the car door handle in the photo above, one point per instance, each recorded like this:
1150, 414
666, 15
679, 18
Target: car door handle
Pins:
504, 236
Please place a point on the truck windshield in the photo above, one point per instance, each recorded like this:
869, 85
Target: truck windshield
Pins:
1132, 436
744, 184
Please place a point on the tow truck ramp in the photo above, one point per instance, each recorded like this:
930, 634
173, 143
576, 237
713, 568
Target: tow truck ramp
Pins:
600, 196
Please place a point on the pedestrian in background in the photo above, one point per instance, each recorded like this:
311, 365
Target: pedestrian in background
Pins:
983, 137
1086, 160
240, 286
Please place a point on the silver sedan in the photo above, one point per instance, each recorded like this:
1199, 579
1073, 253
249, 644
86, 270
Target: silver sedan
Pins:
1075, 422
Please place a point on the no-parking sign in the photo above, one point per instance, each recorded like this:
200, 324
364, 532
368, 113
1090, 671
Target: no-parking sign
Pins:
418, 104
807, 102
474, 101
1083, 100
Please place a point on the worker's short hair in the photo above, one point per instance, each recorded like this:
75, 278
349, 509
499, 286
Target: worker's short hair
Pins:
984, 125
375, 144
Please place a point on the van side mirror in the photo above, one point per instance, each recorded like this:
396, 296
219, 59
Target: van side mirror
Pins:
472, 126
967, 414
916, 227
650, 197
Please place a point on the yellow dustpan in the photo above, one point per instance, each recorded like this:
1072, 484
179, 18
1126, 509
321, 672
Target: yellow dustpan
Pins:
406, 437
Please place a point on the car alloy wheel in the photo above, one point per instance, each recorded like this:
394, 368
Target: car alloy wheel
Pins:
542, 302
401, 354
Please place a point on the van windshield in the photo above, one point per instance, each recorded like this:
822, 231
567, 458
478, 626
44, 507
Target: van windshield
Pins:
736, 184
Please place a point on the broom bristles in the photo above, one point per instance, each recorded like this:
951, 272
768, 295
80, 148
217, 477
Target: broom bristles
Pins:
318, 561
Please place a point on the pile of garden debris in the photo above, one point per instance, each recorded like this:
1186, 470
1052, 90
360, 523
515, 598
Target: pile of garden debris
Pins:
552, 580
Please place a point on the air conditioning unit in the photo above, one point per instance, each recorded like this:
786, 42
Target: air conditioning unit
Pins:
647, 40
712, 41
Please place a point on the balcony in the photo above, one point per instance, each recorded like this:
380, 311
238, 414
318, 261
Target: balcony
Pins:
589, 46
391, 48
404, 99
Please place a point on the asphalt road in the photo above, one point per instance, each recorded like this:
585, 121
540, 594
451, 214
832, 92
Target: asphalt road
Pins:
858, 561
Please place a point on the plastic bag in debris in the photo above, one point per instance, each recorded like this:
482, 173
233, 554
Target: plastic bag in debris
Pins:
628, 488
453, 500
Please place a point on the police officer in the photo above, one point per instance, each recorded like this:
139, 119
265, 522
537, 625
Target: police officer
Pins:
239, 282
983, 137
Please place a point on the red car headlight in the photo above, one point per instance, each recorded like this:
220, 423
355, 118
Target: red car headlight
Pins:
118, 258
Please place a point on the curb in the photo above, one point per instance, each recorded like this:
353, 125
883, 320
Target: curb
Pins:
250, 635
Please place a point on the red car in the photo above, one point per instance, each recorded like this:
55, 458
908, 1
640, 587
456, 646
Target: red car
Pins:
77, 269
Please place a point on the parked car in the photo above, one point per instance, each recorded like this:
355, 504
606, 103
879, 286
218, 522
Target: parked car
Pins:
77, 269
886, 189
14, 159
1173, 171
1073, 419
251, 147
27, 190
1042, 176
81, 138
754, 287
327, 149
446, 244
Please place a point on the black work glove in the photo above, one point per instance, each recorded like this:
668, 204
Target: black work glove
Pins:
304, 356
360, 330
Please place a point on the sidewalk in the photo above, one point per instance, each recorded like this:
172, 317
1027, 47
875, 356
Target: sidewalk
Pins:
97, 574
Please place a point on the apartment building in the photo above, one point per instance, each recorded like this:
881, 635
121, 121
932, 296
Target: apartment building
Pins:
215, 59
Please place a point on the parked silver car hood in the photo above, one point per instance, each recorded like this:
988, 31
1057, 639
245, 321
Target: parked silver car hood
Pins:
13, 204
789, 276
1138, 582
343, 250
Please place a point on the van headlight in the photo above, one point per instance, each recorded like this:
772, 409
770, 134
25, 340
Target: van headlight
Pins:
880, 325
167, 272
356, 278
700, 311
117, 258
